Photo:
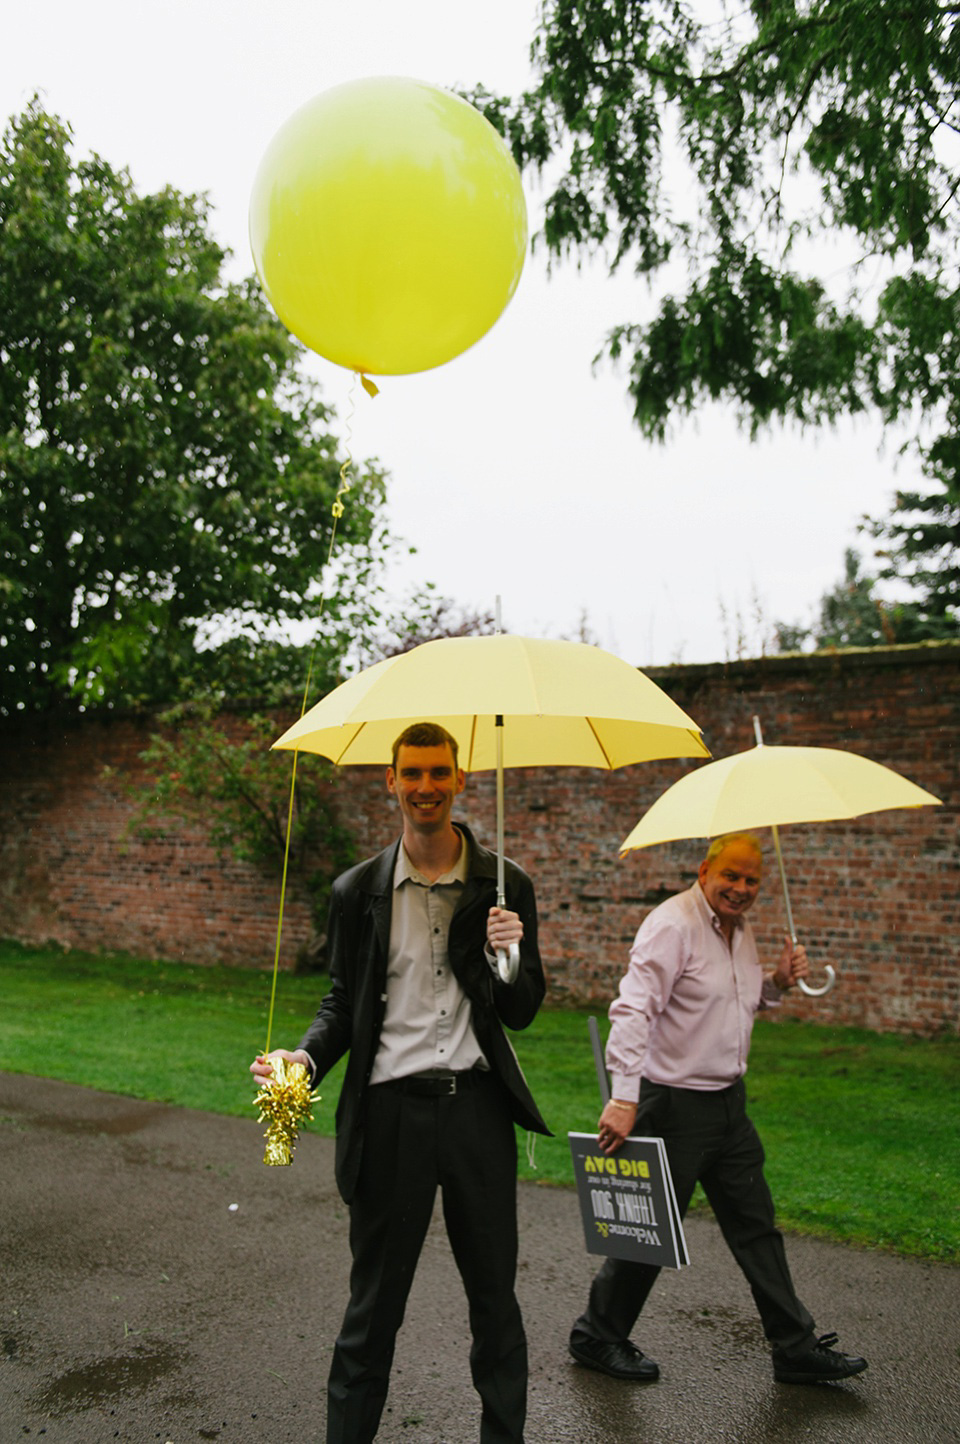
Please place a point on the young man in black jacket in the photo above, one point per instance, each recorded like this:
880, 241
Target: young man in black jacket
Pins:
432, 1088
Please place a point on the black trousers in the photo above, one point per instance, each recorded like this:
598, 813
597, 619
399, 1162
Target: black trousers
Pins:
466, 1146
709, 1139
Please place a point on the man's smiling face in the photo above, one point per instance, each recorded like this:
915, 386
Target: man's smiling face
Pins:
731, 882
425, 783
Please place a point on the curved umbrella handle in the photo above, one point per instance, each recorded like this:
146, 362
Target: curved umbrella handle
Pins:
805, 987
508, 963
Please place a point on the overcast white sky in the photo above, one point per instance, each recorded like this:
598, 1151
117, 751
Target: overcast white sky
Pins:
515, 469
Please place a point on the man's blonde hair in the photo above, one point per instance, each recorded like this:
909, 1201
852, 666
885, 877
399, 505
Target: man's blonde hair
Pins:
748, 839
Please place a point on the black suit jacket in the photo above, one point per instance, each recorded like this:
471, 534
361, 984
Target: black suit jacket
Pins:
351, 1015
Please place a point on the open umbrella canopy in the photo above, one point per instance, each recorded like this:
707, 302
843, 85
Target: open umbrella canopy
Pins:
510, 702
560, 704
769, 786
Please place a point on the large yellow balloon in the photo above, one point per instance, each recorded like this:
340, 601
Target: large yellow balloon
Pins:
388, 225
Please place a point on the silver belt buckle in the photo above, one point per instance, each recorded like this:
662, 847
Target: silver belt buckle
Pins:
453, 1084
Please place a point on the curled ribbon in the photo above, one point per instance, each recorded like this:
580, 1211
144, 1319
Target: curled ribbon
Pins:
337, 506
284, 1104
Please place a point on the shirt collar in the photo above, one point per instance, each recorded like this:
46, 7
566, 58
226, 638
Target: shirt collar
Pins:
708, 910
404, 870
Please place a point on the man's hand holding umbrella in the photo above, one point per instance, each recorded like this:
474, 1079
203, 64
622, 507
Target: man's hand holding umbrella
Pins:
793, 965
503, 929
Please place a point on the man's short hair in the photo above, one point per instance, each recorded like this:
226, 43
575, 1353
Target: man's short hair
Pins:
748, 839
425, 734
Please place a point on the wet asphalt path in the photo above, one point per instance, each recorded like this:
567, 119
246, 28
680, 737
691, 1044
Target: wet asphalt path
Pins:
157, 1282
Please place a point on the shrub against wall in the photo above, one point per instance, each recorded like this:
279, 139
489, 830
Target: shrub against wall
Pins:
877, 897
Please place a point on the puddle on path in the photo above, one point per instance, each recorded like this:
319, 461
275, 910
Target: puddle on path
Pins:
103, 1380
116, 1125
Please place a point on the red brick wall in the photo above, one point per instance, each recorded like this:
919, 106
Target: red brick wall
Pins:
876, 897
70, 872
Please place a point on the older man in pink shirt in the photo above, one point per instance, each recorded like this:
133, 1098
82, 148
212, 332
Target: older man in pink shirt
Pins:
677, 1053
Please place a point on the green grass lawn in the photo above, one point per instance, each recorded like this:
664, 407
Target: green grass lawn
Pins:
860, 1128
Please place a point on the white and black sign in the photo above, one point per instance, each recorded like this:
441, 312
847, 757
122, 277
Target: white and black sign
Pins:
627, 1201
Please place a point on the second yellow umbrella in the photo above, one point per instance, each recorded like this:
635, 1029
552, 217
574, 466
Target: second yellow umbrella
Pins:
769, 786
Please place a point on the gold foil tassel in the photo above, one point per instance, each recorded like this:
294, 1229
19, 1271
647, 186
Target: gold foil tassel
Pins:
284, 1105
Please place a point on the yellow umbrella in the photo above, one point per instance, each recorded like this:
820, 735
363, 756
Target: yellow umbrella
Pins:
559, 704
510, 702
771, 785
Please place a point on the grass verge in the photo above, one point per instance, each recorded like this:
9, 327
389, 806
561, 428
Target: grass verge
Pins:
860, 1128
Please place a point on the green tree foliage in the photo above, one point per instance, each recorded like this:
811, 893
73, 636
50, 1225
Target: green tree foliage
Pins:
854, 614
921, 546
784, 170
850, 615
167, 471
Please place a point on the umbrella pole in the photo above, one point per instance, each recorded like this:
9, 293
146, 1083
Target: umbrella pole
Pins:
783, 883
501, 878
508, 963
801, 982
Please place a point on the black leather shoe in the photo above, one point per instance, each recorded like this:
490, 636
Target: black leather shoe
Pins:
821, 1364
621, 1360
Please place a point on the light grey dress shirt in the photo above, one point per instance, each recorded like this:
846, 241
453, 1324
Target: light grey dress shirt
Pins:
428, 1023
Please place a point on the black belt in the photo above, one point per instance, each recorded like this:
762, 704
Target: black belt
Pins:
436, 1085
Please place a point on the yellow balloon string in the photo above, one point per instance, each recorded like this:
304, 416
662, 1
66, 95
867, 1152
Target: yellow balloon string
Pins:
285, 1107
337, 510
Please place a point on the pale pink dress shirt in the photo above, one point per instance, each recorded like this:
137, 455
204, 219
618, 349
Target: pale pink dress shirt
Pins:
685, 1010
